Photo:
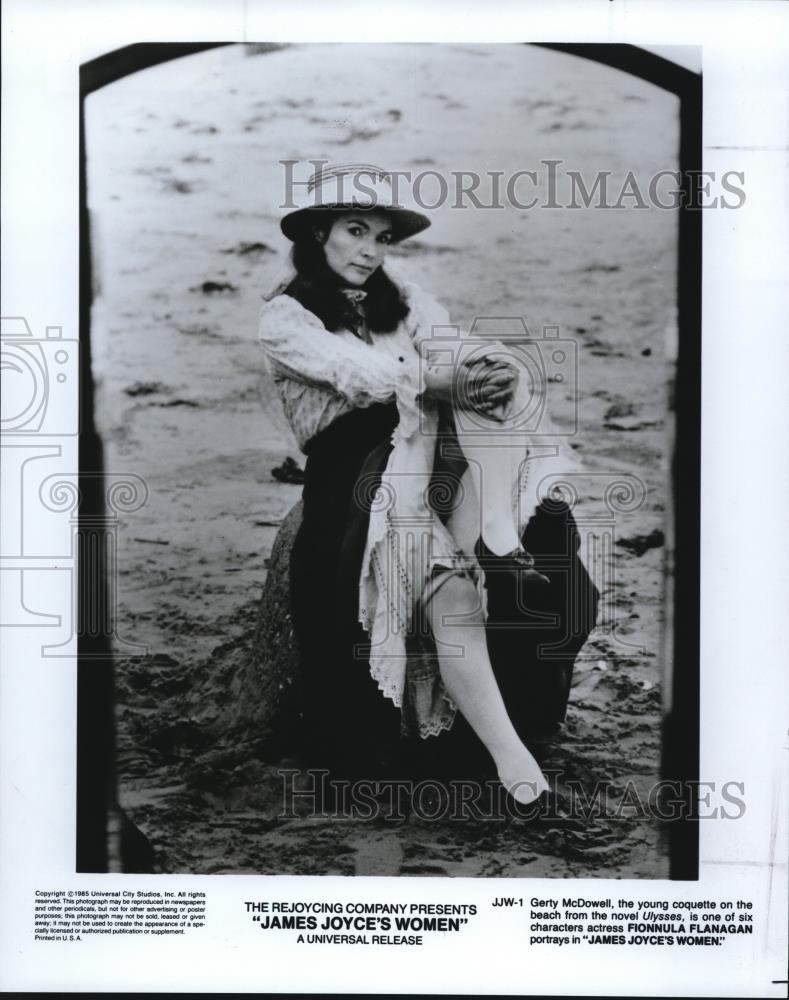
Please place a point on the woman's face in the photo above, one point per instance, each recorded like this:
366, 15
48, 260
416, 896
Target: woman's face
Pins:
356, 244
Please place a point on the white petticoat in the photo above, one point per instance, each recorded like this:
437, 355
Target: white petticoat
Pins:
410, 552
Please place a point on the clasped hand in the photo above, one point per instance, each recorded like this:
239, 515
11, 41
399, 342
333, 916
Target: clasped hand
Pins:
484, 384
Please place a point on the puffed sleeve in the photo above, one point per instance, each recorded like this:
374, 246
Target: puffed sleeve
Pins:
298, 345
427, 317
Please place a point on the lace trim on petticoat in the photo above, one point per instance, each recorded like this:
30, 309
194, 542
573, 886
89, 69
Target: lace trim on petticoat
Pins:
439, 721
389, 622
436, 726
391, 569
522, 512
405, 664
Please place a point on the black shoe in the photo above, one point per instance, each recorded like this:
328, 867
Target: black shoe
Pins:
519, 560
541, 807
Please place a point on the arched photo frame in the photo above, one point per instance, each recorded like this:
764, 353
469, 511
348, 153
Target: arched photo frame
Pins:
96, 812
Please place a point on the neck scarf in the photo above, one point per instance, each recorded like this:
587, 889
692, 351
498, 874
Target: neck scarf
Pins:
356, 318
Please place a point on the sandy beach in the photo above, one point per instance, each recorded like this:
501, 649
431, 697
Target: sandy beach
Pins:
184, 187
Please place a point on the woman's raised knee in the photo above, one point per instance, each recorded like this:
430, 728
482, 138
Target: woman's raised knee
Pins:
456, 602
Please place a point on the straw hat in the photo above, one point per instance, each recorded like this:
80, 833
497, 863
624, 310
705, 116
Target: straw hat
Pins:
352, 185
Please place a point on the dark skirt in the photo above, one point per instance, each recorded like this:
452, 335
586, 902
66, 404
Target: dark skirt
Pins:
346, 719
350, 726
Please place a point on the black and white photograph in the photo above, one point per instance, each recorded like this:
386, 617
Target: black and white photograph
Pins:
389, 333
391, 555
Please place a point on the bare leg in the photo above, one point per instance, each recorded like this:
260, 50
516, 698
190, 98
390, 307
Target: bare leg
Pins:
490, 465
495, 445
457, 621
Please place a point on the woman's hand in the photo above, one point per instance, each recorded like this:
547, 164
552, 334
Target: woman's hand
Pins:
482, 384
490, 385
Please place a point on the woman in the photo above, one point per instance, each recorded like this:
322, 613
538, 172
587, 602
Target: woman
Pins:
404, 501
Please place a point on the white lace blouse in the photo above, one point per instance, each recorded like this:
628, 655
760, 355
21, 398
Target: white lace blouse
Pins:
321, 375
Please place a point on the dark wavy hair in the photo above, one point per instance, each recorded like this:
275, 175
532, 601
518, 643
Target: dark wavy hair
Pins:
319, 289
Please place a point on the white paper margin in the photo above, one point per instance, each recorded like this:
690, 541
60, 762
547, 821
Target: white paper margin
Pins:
744, 527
